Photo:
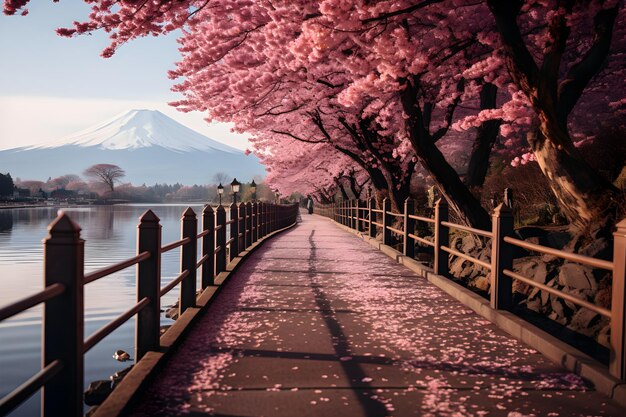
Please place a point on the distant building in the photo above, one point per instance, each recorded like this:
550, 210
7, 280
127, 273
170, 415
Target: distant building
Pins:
63, 194
21, 193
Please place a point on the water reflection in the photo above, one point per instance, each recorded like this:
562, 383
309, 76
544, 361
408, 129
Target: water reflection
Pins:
6, 220
110, 236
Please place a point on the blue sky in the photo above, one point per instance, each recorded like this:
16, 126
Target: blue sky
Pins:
52, 86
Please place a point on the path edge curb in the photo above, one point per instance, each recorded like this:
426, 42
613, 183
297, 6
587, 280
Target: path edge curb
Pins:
123, 397
554, 349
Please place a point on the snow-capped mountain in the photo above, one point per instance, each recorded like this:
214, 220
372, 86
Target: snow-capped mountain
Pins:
147, 144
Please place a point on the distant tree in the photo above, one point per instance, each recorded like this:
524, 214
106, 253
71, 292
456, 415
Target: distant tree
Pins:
32, 185
107, 174
61, 182
221, 178
6, 184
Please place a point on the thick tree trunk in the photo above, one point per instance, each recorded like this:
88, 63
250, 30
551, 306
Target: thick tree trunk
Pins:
459, 197
344, 194
486, 136
586, 198
354, 186
461, 200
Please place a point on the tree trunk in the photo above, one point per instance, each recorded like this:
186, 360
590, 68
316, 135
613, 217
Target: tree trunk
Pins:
354, 186
344, 194
486, 136
461, 200
586, 198
459, 197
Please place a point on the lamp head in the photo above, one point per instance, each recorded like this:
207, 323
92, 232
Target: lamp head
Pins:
235, 185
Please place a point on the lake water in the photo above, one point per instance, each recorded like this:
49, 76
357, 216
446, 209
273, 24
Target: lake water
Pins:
110, 234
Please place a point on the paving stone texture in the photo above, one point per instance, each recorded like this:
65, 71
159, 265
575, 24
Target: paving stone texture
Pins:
318, 323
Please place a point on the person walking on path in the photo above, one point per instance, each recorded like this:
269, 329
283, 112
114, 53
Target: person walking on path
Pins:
309, 204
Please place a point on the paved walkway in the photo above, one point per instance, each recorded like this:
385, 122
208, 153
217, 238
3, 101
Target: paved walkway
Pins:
318, 323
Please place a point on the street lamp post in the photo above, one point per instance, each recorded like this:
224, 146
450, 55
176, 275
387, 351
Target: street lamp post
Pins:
220, 191
234, 186
253, 189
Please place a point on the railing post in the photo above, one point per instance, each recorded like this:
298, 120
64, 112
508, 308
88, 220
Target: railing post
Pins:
617, 364
255, 222
268, 218
371, 205
274, 216
339, 212
234, 231
341, 218
501, 258
261, 219
208, 246
442, 238
148, 283
242, 227
354, 214
63, 319
362, 205
188, 259
249, 231
387, 220
265, 218
220, 257
409, 227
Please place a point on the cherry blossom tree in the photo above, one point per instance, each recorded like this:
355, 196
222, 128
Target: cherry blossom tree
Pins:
107, 174
564, 58
384, 82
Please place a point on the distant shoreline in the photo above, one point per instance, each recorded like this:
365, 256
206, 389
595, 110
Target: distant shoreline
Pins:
4, 206
19, 206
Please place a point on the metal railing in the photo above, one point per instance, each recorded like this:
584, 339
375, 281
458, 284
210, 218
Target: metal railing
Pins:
63, 342
503, 242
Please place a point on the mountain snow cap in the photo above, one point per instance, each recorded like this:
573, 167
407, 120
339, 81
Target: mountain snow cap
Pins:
140, 128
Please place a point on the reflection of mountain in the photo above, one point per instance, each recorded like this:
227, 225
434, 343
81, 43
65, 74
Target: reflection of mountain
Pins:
6, 220
147, 144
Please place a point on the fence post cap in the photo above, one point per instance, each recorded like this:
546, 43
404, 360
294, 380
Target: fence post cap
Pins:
233, 205
149, 217
220, 208
189, 213
502, 211
441, 202
620, 228
63, 225
207, 209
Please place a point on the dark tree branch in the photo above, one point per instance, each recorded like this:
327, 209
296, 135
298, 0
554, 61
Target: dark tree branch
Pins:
522, 65
576, 80
410, 9
460, 87
291, 135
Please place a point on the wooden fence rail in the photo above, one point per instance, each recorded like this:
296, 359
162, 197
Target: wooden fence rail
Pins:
377, 221
63, 342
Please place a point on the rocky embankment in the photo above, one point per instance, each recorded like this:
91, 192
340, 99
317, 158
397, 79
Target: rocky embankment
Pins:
593, 285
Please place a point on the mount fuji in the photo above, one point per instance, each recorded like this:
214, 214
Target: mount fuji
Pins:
148, 145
